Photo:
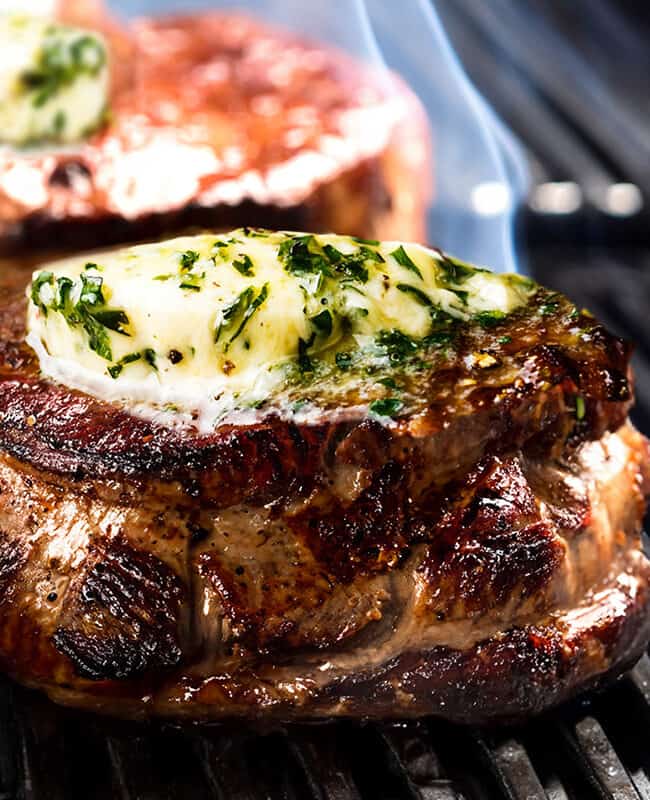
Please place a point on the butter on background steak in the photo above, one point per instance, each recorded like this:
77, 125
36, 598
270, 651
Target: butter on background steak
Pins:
218, 120
54, 81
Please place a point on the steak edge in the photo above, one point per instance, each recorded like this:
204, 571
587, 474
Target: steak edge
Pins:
479, 559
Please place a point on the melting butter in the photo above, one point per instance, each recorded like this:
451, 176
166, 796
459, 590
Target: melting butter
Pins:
200, 326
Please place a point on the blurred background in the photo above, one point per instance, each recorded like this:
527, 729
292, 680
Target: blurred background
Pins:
570, 80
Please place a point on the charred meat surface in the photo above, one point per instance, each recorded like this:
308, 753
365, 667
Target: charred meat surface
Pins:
478, 557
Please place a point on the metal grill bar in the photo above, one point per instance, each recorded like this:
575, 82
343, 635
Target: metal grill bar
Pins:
589, 743
42, 754
527, 37
640, 678
512, 767
154, 765
229, 773
577, 754
328, 775
559, 150
412, 755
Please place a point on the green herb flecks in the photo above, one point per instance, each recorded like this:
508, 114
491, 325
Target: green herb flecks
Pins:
387, 407
148, 355
304, 256
60, 63
239, 312
323, 323
115, 370
305, 364
233, 311
42, 280
113, 319
443, 328
452, 271
350, 266
389, 382
58, 123
580, 408
547, 309
91, 289
301, 255
220, 250
89, 311
402, 257
190, 279
344, 360
397, 345
188, 259
244, 265
421, 297
488, 319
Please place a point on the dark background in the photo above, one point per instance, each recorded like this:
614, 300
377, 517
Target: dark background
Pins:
572, 80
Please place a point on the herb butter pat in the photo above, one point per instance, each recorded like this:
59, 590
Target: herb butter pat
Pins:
209, 325
53, 81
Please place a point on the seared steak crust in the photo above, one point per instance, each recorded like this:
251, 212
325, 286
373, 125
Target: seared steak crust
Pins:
540, 364
480, 558
134, 599
225, 612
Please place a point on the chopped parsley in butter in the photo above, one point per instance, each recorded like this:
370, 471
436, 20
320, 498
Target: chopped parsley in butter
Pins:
53, 81
240, 320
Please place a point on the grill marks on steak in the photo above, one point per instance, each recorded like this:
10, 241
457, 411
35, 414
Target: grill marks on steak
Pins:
139, 592
491, 539
370, 534
484, 549
122, 615
523, 670
272, 594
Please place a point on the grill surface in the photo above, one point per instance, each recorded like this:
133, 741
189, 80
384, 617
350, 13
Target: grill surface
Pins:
597, 747
589, 749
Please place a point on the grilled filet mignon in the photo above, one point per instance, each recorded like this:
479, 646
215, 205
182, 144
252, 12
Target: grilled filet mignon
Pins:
477, 556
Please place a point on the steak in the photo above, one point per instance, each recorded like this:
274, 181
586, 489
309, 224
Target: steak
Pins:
478, 559
250, 125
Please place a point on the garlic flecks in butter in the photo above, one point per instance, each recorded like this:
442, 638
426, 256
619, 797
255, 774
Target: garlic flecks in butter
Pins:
225, 321
53, 81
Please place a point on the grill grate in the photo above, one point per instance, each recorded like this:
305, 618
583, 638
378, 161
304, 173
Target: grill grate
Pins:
566, 78
584, 751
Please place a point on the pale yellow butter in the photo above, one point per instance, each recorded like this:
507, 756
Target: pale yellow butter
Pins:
53, 81
231, 317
